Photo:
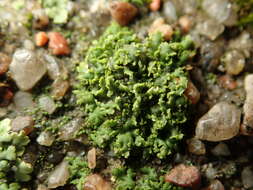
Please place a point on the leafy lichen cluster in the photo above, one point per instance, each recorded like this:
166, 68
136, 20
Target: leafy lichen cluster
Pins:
148, 179
56, 10
138, 2
132, 92
245, 9
79, 170
13, 169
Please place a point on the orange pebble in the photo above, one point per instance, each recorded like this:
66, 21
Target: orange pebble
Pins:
185, 23
58, 44
155, 5
41, 39
227, 82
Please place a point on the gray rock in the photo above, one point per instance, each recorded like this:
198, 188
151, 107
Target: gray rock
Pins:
169, 11
59, 176
219, 10
26, 69
221, 150
210, 28
45, 138
211, 172
188, 7
216, 185
195, 146
248, 104
247, 177
243, 43
29, 45
23, 100
221, 122
47, 104
3, 112
68, 131
234, 62
55, 69
42, 187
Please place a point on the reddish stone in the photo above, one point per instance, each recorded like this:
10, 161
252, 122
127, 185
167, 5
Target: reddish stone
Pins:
123, 12
192, 93
58, 44
5, 61
155, 5
184, 176
227, 82
41, 39
159, 25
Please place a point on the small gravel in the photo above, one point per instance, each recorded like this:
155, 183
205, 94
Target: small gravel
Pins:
222, 122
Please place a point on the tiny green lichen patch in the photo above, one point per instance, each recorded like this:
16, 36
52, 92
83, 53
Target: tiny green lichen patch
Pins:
12, 169
79, 170
56, 10
132, 92
148, 179
245, 9
138, 2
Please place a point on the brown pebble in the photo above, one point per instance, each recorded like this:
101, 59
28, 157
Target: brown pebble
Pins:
23, 123
6, 95
192, 93
227, 82
185, 23
123, 12
41, 39
59, 88
215, 185
5, 61
40, 19
58, 44
196, 147
155, 5
160, 26
246, 130
184, 176
91, 156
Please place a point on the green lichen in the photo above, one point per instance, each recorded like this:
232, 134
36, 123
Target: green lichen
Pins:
211, 78
56, 10
148, 179
245, 12
131, 92
79, 170
13, 169
138, 2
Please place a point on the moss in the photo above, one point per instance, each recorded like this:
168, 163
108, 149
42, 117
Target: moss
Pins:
245, 12
148, 179
131, 92
79, 170
56, 10
138, 2
18, 4
13, 170
211, 78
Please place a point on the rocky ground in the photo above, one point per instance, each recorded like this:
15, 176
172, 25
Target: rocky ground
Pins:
41, 48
